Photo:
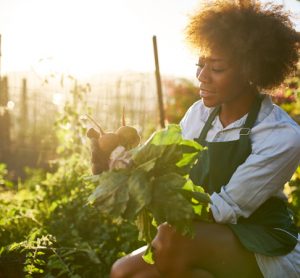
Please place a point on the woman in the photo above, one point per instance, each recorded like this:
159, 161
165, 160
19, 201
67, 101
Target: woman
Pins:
253, 148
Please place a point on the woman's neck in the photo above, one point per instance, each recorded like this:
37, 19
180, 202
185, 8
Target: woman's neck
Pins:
236, 109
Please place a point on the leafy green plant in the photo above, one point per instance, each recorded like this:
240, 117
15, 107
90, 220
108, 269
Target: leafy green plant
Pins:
287, 96
5, 183
293, 191
155, 188
46, 229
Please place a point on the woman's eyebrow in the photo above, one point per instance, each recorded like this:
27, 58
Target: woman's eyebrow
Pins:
212, 59
216, 59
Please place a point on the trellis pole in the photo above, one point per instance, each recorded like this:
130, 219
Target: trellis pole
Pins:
158, 85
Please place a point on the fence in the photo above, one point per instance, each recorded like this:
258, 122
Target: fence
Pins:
29, 107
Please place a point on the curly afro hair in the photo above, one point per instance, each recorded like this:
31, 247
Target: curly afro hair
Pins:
260, 39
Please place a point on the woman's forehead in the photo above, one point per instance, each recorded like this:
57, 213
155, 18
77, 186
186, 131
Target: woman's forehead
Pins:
213, 56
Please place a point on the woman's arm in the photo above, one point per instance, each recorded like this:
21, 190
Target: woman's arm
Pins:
271, 164
214, 252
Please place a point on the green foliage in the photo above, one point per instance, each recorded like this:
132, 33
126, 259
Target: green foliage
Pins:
70, 129
157, 180
293, 190
156, 188
287, 96
46, 228
4, 181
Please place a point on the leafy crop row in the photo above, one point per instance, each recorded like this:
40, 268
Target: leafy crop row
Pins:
46, 228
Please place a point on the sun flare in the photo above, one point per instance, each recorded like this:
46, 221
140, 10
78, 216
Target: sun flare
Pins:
86, 37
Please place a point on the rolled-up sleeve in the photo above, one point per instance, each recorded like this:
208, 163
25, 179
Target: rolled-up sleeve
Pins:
270, 165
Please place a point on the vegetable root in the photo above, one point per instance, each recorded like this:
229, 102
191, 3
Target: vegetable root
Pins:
128, 134
125, 136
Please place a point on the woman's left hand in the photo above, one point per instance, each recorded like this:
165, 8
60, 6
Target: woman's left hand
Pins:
171, 250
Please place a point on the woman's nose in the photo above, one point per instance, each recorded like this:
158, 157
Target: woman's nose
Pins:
202, 73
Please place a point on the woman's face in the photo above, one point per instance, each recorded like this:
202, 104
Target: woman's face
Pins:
220, 81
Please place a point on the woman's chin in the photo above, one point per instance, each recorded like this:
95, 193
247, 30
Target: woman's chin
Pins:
209, 99
209, 102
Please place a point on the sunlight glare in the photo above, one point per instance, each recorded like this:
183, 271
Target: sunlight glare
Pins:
94, 36
10, 105
86, 37
58, 99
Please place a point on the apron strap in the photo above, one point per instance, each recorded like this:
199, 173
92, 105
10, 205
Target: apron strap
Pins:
252, 116
245, 130
208, 125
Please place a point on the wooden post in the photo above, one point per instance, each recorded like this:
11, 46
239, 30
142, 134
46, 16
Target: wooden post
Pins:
158, 85
0, 59
24, 113
4, 121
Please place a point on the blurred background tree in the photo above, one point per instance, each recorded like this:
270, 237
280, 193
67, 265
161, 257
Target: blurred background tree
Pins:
180, 95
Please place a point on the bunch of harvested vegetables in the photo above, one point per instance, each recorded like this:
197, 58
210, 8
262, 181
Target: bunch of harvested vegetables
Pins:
154, 188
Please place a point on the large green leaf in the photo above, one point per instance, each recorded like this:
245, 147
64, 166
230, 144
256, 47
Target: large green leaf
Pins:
168, 136
187, 159
147, 153
167, 149
140, 193
168, 203
111, 195
108, 181
166, 163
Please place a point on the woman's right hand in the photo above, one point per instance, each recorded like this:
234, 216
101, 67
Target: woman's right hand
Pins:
171, 250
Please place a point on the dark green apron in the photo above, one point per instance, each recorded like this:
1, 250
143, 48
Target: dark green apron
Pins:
270, 229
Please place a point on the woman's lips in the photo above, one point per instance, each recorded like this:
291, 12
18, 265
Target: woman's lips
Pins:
205, 93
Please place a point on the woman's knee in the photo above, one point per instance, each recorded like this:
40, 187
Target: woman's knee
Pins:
127, 266
132, 266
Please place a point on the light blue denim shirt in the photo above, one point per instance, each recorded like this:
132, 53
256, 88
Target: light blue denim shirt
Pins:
275, 156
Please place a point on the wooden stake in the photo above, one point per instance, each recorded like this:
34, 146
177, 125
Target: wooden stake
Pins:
158, 85
123, 117
0, 55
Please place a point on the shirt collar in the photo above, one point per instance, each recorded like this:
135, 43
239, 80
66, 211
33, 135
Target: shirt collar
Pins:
265, 110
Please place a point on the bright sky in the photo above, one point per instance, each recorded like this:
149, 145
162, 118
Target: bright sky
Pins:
84, 37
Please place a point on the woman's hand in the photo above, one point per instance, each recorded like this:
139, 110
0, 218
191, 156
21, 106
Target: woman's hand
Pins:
171, 251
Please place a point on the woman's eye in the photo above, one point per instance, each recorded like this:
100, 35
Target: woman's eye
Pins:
200, 66
218, 70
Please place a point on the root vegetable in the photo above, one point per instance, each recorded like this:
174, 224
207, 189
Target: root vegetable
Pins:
108, 142
98, 168
128, 134
92, 133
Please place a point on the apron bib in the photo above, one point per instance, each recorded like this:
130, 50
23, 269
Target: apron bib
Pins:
270, 229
